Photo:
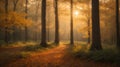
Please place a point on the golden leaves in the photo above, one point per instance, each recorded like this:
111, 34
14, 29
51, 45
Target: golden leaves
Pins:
14, 19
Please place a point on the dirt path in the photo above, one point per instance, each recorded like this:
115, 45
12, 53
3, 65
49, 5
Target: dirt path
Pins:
56, 57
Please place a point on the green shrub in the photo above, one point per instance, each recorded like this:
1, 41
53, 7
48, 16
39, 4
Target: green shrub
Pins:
106, 55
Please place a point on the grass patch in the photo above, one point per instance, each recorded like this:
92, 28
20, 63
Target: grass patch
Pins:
21, 50
33, 48
108, 54
22, 55
39, 47
17, 44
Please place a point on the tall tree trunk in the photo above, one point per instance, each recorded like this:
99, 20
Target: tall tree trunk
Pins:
36, 19
43, 22
26, 29
96, 37
71, 24
48, 29
56, 23
15, 2
88, 30
48, 33
6, 11
89, 24
117, 24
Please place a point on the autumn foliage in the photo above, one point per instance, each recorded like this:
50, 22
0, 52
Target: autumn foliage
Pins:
14, 19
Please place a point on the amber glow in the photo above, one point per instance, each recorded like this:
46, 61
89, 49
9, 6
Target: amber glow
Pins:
76, 13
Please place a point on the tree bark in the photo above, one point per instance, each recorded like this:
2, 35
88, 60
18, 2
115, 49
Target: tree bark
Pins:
36, 19
89, 24
71, 24
96, 37
117, 24
43, 22
6, 11
26, 28
88, 30
15, 2
56, 23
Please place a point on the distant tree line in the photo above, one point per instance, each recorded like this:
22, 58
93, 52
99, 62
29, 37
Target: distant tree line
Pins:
25, 23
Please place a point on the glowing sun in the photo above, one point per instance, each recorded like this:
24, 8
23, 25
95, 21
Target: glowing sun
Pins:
76, 13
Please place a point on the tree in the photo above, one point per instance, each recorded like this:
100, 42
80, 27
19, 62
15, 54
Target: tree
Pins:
43, 23
88, 23
117, 24
26, 17
96, 37
6, 11
89, 19
71, 24
36, 18
48, 23
56, 23
15, 2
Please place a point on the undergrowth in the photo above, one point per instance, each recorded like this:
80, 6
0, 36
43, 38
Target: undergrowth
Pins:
108, 54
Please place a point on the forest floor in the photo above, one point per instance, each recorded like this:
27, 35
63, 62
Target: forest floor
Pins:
56, 57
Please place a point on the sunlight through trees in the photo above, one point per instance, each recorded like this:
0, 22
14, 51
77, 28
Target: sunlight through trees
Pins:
90, 24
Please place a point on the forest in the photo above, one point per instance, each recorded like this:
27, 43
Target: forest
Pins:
59, 33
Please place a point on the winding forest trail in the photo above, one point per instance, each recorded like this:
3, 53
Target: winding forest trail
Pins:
56, 57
